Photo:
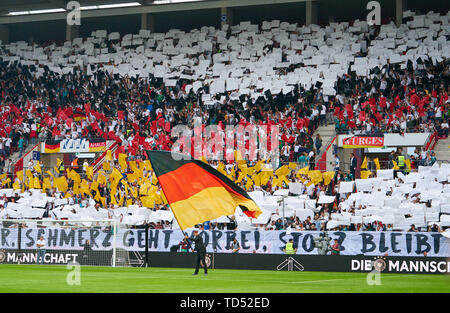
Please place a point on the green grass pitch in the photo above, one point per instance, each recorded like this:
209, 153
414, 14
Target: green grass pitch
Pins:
52, 279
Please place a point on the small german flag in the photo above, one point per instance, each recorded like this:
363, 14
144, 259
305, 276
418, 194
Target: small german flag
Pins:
197, 192
52, 146
79, 116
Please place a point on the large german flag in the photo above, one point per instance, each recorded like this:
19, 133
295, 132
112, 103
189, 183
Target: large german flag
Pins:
197, 192
52, 146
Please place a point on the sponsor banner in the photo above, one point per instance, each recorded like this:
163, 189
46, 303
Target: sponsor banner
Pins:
30, 257
73, 146
363, 142
396, 140
282, 262
400, 265
57, 257
265, 242
248, 261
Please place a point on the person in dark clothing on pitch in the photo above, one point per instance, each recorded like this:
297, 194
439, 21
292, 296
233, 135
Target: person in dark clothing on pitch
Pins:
201, 251
87, 253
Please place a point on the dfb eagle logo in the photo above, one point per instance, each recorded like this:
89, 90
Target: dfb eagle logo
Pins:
207, 260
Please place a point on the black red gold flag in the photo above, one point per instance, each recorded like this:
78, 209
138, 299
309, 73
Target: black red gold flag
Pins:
196, 191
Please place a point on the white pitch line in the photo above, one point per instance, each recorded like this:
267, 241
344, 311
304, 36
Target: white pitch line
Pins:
337, 279
210, 278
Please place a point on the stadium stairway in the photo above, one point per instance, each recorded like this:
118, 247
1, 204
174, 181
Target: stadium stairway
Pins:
18, 160
15, 156
442, 150
327, 133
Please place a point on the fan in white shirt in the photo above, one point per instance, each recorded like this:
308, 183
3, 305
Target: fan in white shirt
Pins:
40, 244
85, 165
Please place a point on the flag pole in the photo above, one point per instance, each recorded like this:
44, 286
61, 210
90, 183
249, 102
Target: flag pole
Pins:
189, 243
177, 221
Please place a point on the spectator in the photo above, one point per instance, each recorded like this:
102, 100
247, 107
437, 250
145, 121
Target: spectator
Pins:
289, 248
235, 246
335, 249
40, 245
353, 165
21, 146
318, 143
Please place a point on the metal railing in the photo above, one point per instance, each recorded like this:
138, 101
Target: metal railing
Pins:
319, 156
345, 166
378, 131
99, 161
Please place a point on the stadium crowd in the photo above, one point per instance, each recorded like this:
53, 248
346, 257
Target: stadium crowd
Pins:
139, 113
91, 101
395, 100
121, 184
